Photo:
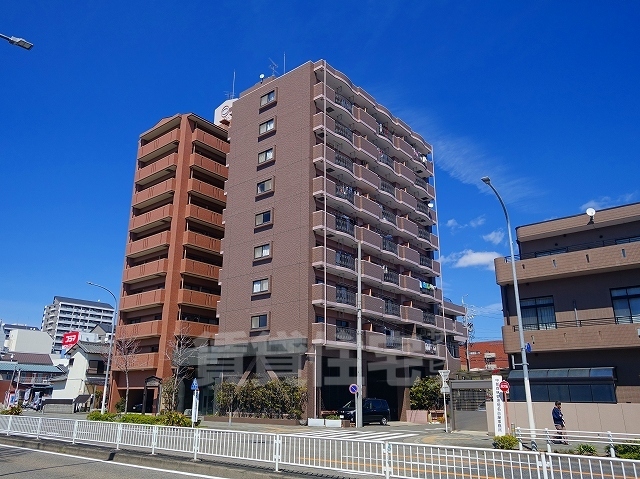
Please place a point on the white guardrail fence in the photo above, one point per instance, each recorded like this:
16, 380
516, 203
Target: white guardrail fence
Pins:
315, 454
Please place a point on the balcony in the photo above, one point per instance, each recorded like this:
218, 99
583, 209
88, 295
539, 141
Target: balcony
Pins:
146, 271
366, 147
342, 227
371, 272
338, 262
370, 182
202, 242
154, 194
408, 313
346, 334
571, 261
168, 140
151, 219
207, 139
343, 102
148, 329
157, 169
406, 176
203, 215
427, 191
386, 160
369, 209
150, 244
207, 165
207, 191
429, 240
142, 300
408, 228
140, 362
343, 131
391, 277
196, 298
338, 298
404, 147
431, 264
409, 255
373, 306
389, 217
199, 269
407, 202
366, 119
389, 245
410, 285
196, 330
343, 161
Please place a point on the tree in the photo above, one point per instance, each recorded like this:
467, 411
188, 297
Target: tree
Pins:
124, 359
425, 393
180, 351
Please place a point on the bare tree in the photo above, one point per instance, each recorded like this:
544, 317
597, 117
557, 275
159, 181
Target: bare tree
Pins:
124, 359
180, 351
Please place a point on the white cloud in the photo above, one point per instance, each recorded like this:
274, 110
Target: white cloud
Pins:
474, 223
607, 202
494, 237
479, 221
452, 224
469, 259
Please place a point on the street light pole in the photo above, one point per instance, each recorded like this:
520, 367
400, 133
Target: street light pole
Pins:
113, 332
21, 42
523, 350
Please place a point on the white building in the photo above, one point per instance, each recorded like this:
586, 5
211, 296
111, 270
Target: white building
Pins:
27, 341
68, 314
85, 374
6, 328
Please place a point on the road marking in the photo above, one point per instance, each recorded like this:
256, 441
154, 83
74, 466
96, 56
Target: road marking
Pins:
169, 471
359, 435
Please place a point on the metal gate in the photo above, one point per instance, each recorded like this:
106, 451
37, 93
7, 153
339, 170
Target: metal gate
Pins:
469, 404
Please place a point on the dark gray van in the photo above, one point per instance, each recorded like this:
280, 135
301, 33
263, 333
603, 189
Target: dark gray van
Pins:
373, 410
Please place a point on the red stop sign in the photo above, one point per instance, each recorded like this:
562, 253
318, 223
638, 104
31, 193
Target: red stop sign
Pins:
504, 386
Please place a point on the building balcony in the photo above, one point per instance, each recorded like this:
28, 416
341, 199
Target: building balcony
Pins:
157, 169
454, 309
430, 264
150, 244
341, 300
211, 141
369, 181
196, 330
409, 313
207, 191
140, 362
148, 329
154, 194
406, 202
366, 119
203, 215
341, 228
405, 149
199, 269
368, 209
410, 286
373, 306
339, 196
599, 334
407, 228
207, 165
426, 191
202, 242
142, 300
164, 142
405, 176
145, 271
336, 162
196, 298
571, 261
427, 240
151, 219
409, 255
372, 273
423, 214
422, 166
371, 241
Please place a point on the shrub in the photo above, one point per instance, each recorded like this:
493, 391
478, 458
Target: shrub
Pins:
505, 442
629, 450
173, 418
332, 416
120, 405
96, 416
138, 419
12, 411
586, 450
425, 394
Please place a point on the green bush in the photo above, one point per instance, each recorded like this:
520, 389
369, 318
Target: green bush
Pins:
630, 450
332, 416
120, 405
138, 419
505, 442
586, 450
12, 411
173, 418
425, 394
96, 416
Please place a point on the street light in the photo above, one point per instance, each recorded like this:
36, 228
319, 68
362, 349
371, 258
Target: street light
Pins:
21, 42
113, 331
523, 351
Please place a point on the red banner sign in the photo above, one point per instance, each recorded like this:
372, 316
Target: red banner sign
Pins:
70, 339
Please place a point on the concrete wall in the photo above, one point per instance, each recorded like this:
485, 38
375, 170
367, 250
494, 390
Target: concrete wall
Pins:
622, 417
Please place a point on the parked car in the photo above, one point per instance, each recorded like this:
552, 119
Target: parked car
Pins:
373, 410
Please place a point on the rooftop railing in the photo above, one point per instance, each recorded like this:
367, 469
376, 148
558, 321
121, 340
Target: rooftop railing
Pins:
580, 323
572, 248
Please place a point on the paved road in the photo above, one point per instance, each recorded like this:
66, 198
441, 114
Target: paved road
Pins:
25, 463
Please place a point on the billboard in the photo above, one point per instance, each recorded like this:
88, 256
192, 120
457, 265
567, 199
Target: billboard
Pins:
70, 339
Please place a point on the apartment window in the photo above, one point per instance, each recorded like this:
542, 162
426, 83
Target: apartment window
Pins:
626, 304
265, 186
263, 218
259, 321
538, 313
267, 126
262, 251
268, 98
266, 155
260, 286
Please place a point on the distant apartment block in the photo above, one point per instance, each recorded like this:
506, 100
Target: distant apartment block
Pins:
579, 281
6, 328
69, 314
484, 355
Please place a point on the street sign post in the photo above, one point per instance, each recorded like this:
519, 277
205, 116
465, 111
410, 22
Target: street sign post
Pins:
196, 401
194, 384
445, 389
444, 375
353, 388
504, 386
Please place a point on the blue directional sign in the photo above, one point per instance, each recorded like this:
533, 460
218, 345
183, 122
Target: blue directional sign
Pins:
527, 347
194, 384
353, 388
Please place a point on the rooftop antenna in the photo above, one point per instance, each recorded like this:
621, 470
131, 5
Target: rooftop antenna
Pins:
273, 67
231, 95
592, 213
284, 62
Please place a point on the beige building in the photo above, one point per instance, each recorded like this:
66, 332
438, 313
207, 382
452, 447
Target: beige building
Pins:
579, 282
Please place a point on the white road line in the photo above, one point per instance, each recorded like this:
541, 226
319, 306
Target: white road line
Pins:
371, 436
169, 471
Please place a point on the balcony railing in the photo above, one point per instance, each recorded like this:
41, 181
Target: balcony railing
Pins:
389, 245
385, 159
345, 191
581, 323
343, 130
344, 161
391, 277
577, 247
426, 261
391, 307
384, 131
422, 208
388, 216
387, 187
345, 225
428, 318
345, 296
424, 234
427, 288
421, 182
346, 334
345, 260
394, 342
343, 102
429, 347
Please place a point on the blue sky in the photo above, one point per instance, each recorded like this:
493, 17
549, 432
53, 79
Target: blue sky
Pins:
541, 96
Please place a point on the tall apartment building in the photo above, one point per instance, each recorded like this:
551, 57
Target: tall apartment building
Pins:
316, 167
579, 282
69, 314
173, 258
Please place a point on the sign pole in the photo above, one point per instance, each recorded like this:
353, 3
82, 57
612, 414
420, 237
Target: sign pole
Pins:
444, 375
195, 401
